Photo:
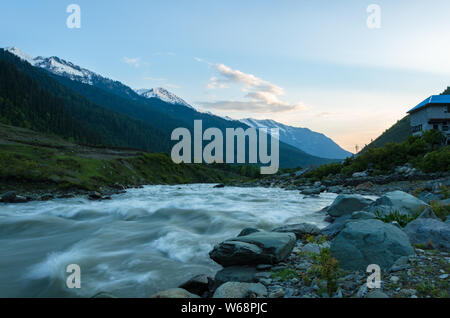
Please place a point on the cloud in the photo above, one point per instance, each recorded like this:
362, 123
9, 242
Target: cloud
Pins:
251, 106
134, 61
260, 95
328, 114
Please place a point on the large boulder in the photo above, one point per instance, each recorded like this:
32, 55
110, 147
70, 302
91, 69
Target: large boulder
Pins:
347, 204
255, 248
174, 293
429, 230
240, 290
299, 229
364, 242
337, 226
400, 201
427, 197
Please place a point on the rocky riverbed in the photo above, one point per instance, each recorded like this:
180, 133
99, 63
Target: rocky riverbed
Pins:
401, 226
405, 233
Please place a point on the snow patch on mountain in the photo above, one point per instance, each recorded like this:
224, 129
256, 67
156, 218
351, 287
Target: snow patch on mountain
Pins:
164, 95
23, 56
57, 66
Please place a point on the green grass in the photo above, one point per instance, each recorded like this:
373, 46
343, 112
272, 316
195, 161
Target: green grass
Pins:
285, 274
402, 219
440, 210
63, 169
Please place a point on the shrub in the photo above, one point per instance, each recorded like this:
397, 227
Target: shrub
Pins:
327, 268
285, 274
402, 219
440, 210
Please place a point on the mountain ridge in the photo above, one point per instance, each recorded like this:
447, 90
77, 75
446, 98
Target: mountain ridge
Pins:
314, 143
159, 114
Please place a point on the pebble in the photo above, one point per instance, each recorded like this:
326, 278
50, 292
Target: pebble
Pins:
279, 293
444, 276
394, 279
263, 267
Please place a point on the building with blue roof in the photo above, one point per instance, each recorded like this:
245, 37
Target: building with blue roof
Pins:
432, 113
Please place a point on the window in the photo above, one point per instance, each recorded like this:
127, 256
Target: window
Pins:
435, 126
417, 128
445, 128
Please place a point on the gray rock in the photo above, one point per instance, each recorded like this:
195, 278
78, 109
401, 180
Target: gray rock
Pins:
361, 215
426, 230
362, 174
199, 284
400, 201
248, 231
428, 214
334, 228
278, 293
240, 290
335, 189
262, 275
347, 204
253, 249
311, 248
376, 294
47, 197
243, 274
364, 242
12, 197
427, 197
311, 191
299, 229
263, 267
104, 295
174, 293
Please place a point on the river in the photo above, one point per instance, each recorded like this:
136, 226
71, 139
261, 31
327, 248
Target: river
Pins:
138, 243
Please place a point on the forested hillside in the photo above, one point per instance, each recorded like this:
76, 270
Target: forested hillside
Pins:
113, 114
30, 98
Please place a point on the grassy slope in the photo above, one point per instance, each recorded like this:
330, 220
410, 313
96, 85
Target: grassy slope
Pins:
397, 133
30, 161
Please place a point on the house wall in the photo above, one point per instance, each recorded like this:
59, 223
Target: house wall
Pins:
422, 117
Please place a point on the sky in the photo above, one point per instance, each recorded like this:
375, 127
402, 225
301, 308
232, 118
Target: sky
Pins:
314, 64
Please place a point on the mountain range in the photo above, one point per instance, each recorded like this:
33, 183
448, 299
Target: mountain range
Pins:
157, 110
309, 141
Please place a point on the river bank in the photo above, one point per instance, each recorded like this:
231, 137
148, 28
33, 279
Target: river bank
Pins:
303, 261
404, 228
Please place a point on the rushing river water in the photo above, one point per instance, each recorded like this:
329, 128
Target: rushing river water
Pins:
138, 243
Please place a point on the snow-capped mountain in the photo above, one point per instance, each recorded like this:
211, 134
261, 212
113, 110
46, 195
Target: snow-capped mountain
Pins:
74, 72
164, 95
311, 142
302, 138
57, 66
23, 56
